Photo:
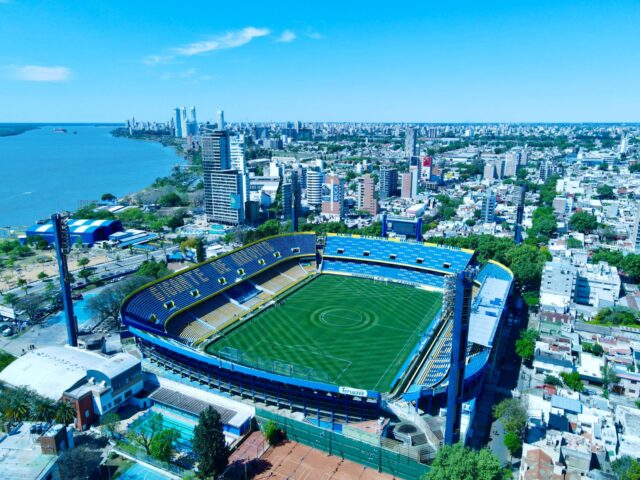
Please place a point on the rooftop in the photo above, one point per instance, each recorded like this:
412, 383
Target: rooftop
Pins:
21, 457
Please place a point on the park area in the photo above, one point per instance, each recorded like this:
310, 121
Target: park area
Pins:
342, 330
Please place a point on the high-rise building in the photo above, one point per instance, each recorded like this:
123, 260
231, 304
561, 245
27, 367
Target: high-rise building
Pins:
223, 185
292, 198
333, 204
227, 198
238, 162
409, 184
489, 171
546, 170
192, 124
410, 145
518, 197
635, 234
177, 122
366, 194
221, 124
184, 129
406, 179
315, 179
388, 181
489, 207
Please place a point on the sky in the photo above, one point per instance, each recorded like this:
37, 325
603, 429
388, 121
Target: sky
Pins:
378, 61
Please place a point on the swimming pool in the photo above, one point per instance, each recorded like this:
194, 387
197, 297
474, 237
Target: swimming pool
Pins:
138, 471
80, 310
170, 420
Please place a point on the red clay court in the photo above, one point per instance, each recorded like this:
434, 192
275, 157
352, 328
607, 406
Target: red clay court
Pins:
293, 460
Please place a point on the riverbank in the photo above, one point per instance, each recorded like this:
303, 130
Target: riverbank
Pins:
74, 170
10, 129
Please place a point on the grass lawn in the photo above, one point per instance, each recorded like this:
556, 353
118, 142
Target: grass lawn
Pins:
351, 331
5, 359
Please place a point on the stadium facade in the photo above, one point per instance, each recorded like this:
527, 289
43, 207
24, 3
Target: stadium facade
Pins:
177, 319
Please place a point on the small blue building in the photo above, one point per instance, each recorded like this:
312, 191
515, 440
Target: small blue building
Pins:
88, 231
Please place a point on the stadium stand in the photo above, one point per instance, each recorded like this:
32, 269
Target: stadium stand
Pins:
416, 277
153, 305
411, 254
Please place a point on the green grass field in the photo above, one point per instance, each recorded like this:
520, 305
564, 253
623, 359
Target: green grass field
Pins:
352, 331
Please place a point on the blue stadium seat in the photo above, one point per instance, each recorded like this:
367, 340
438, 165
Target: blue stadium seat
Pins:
413, 254
148, 308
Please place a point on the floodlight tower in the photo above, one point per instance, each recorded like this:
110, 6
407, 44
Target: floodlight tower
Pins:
63, 247
458, 289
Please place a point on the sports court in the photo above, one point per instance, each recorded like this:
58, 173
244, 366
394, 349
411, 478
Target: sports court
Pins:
344, 330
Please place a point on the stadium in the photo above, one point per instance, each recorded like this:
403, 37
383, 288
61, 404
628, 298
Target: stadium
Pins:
335, 327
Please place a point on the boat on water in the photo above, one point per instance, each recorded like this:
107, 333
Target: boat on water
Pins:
59, 130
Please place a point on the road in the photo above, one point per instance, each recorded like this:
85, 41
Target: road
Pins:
107, 270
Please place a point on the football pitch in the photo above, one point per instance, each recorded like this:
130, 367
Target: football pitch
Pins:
347, 331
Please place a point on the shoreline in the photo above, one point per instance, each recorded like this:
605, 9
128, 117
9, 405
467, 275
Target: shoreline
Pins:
186, 158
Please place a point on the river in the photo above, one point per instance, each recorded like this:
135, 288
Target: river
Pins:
43, 171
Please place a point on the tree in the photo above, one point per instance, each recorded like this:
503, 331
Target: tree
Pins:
625, 467
201, 254
512, 414
143, 437
526, 344
175, 221
162, 446
43, 410
455, 462
65, 412
609, 376
152, 269
271, 433
83, 262
552, 380
209, 444
42, 276
513, 442
22, 283
170, 199
108, 197
10, 299
573, 381
605, 192
79, 463
543, 222
17, 409
84, 273
31, 305
526, 262
109, 424
106, 304
583, 222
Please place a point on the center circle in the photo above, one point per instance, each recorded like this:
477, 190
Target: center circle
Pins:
342, 318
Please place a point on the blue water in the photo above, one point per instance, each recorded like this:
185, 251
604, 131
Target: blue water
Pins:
80, 310
43, 171
140, 472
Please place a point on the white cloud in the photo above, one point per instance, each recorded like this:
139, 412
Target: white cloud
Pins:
313, 34
188, 73
157, 59
287, 36
38, 73
222, 42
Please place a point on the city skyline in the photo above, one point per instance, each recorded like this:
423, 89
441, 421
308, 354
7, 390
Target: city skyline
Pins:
495, 62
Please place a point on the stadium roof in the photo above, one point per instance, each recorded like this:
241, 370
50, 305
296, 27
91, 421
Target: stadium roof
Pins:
50, 371
75, 226
487, 310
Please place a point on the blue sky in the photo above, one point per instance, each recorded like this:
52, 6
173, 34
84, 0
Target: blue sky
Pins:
422, 61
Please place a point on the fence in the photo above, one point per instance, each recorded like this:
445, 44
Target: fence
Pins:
377, 457
273, 366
